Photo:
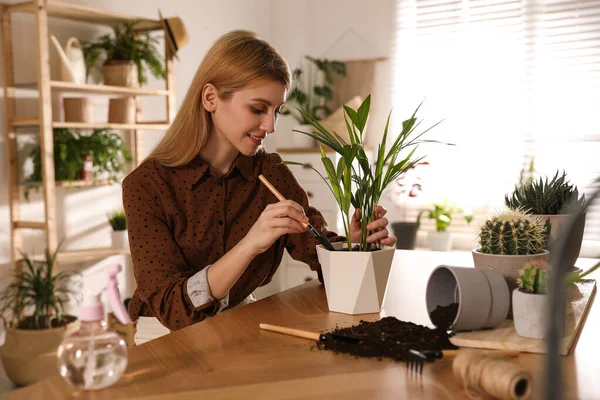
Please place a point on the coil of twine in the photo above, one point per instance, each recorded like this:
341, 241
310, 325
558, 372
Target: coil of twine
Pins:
491, 375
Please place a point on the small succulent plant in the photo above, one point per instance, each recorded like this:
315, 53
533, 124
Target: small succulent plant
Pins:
533, 277
117, 220
545, 198
513, 232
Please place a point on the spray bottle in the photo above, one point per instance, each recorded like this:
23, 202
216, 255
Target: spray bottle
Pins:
94, 357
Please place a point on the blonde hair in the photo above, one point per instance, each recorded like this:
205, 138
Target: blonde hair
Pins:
234, 60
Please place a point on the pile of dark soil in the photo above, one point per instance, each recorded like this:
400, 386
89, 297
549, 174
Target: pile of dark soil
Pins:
443, 316
388, 338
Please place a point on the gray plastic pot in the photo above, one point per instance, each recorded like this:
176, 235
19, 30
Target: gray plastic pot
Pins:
482, 296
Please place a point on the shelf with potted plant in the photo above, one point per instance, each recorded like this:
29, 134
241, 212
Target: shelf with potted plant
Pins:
104, 150
127, 29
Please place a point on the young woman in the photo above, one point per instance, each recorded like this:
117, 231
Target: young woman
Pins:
204, 232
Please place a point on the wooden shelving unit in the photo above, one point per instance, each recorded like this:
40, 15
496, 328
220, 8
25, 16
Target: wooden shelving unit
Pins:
44, 86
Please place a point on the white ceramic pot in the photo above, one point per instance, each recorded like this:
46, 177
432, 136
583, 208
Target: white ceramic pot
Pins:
120, 240
301, 140
530, 314
355, 281
439, 241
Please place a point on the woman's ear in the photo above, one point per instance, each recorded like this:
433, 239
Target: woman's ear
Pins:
209, 97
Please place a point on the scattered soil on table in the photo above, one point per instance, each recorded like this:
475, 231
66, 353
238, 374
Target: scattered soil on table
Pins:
443, 316
388, 338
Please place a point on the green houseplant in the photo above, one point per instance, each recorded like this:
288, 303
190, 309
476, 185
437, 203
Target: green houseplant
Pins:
441, 213
355, 182
508, 240
118, 222
41, 292
126, 54
311, 98
71, 148
552, 201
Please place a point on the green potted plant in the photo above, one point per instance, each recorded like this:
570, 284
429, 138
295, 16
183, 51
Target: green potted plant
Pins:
32, 308
529, 299
126, 56
441, 213
104, 148
355, 279
118, 224
508, 240
310, 94
551, 201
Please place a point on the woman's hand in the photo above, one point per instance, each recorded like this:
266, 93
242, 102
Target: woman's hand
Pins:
378, 227
276, 220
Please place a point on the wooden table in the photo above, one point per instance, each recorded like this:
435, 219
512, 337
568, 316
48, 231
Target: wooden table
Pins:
228, 357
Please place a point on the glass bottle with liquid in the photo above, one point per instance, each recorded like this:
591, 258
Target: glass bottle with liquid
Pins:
95, 357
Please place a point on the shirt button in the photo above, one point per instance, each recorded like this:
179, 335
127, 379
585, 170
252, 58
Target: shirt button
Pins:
220, 183
220, 222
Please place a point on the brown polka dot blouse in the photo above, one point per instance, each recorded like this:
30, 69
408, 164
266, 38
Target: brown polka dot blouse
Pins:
182, 219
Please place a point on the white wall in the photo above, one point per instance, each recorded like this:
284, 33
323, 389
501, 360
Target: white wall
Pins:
342, 30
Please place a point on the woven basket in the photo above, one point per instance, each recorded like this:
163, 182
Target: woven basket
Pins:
121, 110
121, 73
78, 109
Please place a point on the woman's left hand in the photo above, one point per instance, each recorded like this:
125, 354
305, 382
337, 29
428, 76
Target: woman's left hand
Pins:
378, 227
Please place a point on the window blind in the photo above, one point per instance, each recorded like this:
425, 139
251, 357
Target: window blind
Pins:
509, 79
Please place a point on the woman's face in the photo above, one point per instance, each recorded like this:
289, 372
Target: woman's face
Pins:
245, 118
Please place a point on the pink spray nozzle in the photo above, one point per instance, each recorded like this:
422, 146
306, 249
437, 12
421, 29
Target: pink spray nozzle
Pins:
113, 296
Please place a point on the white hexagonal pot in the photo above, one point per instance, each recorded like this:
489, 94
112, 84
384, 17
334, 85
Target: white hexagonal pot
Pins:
355, 281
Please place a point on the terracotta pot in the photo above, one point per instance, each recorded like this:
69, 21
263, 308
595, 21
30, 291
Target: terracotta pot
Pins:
355, 281
482, 296
121, 73
30, 355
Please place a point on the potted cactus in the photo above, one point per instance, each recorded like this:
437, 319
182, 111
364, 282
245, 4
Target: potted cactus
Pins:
552, 201
508, 240
441, 213
529, 300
